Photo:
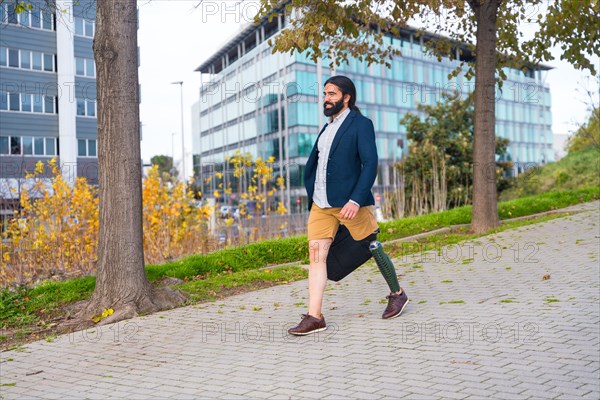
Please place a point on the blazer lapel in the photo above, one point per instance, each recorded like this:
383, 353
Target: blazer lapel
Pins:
342, 130
320, 133
313, 153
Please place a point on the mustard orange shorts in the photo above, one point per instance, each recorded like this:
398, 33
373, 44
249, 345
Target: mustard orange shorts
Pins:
323, 223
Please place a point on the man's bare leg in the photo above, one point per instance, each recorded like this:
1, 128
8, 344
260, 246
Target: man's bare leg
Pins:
317, 274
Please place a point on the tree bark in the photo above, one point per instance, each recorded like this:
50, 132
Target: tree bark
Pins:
121, 282
485, 202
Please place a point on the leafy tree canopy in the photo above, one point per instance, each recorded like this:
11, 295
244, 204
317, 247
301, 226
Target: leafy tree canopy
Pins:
571, 24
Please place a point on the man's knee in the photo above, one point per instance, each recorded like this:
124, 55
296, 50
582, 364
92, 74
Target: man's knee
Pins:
318, 250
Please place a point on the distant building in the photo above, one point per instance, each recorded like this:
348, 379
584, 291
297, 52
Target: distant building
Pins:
47, 90
271, 104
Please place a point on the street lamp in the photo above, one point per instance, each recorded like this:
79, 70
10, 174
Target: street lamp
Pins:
172, 153
180, 83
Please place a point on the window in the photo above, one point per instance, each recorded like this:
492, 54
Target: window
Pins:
3, 144
13, 102
3, 101
85, 67
91, 108
89, 28
28, 146
38, 104
83, 27
24, 18
79, 26
86, 108
12, 14
34, 18
15, 145
48, 62
79, 66
49, 104
81, 152
13, 58
38, 148
81, 107
26, 102
25, 59
90, 68
86, 147
36, 60
47, 21
50, 146
92, 148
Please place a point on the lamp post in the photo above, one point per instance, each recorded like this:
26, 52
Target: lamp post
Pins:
172, 153
183, 175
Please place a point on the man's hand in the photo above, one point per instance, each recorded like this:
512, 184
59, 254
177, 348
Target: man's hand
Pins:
349, 211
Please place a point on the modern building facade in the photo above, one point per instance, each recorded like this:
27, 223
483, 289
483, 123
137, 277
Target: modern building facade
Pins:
47, 90
271, 104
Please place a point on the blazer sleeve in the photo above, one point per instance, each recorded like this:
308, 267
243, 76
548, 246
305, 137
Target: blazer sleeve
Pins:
367, 150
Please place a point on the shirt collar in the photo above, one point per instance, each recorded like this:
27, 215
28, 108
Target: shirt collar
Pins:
340, 117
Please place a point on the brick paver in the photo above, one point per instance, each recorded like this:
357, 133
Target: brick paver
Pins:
482, 322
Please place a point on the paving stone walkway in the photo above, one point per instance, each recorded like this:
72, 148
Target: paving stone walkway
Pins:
483, 322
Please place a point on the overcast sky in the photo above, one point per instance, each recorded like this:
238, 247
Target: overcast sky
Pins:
176, 36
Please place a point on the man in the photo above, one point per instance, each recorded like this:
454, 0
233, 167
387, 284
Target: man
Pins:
339, 175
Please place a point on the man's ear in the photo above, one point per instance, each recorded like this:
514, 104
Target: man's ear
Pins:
346, 99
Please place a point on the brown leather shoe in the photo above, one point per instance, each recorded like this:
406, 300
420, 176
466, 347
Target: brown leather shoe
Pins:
396, 303
308, 325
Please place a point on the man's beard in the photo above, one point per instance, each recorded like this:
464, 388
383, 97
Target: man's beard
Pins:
337, 107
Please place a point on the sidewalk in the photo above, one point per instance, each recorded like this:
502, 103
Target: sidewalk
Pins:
482, 323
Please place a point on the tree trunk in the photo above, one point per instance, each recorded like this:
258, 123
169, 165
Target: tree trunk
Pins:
121, 282
485, 207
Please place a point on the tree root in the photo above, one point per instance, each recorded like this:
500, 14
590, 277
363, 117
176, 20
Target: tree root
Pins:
157, 299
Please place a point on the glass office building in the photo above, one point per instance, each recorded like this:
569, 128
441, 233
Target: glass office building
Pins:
271, 104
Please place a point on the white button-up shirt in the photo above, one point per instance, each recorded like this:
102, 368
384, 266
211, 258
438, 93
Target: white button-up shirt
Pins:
324, 146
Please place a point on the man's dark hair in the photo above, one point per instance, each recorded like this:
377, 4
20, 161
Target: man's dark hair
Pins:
346, 86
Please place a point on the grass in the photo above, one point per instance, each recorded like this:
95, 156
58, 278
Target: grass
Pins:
236, 270
218, 286
547, 201
250, 256
452, 302
575, 170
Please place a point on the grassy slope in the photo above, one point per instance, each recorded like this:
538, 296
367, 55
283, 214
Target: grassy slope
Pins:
576, 170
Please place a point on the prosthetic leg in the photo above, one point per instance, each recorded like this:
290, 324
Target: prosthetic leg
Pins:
385, 265
396, 301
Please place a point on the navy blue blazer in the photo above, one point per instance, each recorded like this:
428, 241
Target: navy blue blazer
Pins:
352, 164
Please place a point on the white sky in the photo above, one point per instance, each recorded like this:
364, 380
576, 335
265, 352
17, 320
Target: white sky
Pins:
175, 37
